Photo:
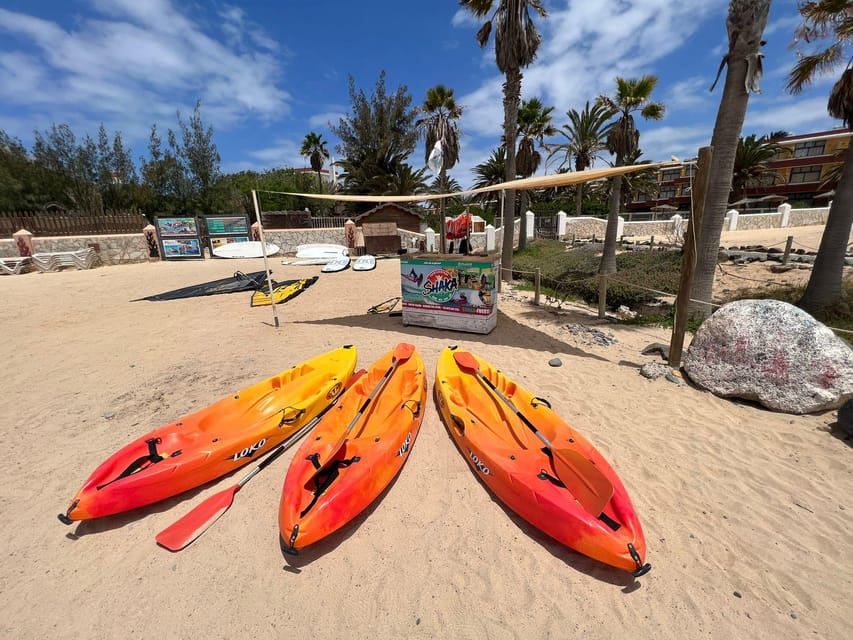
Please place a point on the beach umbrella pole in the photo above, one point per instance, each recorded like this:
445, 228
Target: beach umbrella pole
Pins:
264, 251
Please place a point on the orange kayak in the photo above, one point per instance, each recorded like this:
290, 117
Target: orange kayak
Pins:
536, 464
355, 450
210, 443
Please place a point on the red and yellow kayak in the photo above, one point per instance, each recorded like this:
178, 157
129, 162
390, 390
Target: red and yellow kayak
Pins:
355, 450
210, 443
536, 464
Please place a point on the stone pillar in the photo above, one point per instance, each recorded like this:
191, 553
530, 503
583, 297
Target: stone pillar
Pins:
620, 227
785, 210
150, 233
732, 215
429, 244
530, 231
24, 241
349, 234
490, 238
561, 225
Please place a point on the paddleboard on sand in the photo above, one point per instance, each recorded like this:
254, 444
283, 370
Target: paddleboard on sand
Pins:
318, 250
244, 250
338, 264
309, 261
364, 263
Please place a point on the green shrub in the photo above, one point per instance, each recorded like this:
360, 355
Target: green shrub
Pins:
568, 272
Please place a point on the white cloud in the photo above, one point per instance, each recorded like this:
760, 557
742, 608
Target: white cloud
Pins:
795, 115
660, 143
143, 60
322, 120
282, 153
688, 93
585, 46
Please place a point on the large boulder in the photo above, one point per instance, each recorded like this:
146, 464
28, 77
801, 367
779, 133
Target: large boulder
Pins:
774, 353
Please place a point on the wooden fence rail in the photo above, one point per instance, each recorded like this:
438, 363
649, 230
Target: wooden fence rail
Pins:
70, 224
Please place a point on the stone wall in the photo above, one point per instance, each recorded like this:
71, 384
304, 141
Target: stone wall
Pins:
751, 221
111, 249
806, 217
585, 227
661, 229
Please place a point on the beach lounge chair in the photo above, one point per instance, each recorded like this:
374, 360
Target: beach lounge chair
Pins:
15, 266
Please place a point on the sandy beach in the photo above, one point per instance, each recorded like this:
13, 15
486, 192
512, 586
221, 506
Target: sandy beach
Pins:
746, 512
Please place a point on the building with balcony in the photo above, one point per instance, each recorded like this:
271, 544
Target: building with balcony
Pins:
803, 176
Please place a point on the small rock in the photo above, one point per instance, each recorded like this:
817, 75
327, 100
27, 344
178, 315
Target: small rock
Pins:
672, 378
555, 362
654, 370
737, 594
656, 348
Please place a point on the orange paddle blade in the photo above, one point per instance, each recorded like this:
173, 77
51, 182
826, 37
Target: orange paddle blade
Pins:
180, 534
587, 483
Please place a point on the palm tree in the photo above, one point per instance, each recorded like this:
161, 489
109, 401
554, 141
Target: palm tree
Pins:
586, 133
751, 168
314, 148
832, 19
534, 125
745, 25
439, 124
516, 43
490, 173
633, 94
406, 181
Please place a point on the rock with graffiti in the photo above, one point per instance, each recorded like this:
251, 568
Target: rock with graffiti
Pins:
773, 353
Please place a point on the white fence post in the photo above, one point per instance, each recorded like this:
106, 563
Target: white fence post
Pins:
677, 221
490, 238
429, 242
530, 232
785, 210
561, 225
620, 227
732, 215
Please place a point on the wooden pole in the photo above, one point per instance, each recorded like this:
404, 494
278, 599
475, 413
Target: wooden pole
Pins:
788, 244
536, 289
688, 259
264, 251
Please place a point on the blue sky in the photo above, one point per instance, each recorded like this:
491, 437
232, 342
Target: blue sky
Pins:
267, 73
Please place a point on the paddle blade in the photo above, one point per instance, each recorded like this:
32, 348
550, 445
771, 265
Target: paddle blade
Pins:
180, 534
466, 361
403, 352
587, 483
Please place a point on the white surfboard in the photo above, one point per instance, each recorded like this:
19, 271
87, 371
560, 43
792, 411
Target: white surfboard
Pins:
303, 262
244, 250
366, 262
319, 250
338, 264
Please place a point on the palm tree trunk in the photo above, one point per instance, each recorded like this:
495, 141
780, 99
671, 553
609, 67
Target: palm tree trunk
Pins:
579, 199
727, 130
824, 285
512, 96
319, 181
608, 257
522, 233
